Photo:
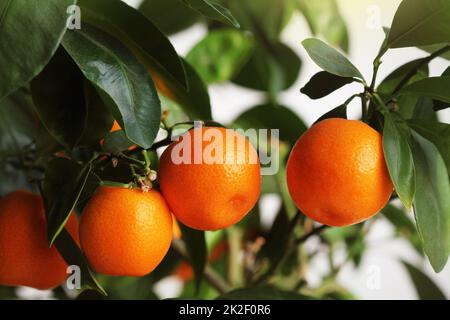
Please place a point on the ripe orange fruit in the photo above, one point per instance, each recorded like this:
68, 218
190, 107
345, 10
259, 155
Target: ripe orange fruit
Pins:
216, 183
125, 232
336, 172
25, 258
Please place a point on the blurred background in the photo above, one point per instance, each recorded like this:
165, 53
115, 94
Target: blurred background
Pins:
381, 275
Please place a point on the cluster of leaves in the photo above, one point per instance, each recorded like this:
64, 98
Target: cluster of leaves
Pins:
62, 89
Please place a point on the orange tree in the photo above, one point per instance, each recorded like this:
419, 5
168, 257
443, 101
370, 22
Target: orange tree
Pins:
85, 87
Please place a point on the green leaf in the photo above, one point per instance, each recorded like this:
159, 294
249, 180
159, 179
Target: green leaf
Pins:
436, 47
197, 251
436, 132
404, 226
424, 109
323, 83
278, 237
212, 10
439, 105
434, 87
426, 288
195, 101
331, 60
180, 17
18, 123
263, 293
221, 54
64, 118
63, 186
271, 70
264, 18
420, 23
268, 116
24, 53
338, 112
432, 201
121, 78
324, 19
73, 256
406, 103
116, 141
399, 160
138, 33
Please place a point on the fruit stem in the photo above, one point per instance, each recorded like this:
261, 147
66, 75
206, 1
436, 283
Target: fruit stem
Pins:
117, 184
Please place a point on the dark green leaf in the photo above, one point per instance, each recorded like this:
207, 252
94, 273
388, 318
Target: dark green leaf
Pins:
18, 123
432, 201
264, 18
270, 71
338, 112
331, 60
195, 101
64, 118
439, 105
221, 54
324, 19
113, 69
64, 183
197, 251
404, 226
406, 103
434, 87
426, 288
278, 237
31, 32
424, 109
116, 141
436, 47
170, 16
73, 256
272, 117
139, 34
323, 83
436, 132
212, 10
263, 293
399, 160
420, 23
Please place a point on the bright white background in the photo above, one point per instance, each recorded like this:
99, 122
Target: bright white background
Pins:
364, 19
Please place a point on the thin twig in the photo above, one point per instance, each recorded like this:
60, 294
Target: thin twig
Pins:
210, 274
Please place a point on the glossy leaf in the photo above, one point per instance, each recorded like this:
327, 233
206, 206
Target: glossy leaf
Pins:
424, 109
197, 251
221, 54
23, 54
121, 78
263, 293
64, 183
272, 117
331, 60
73, 256
324, 19
420, 23
432, 201
170, 16
272, 71
116, 141
434, 87
323, 83
426, 288
140, 35
212, 10
436, 132
399, 160
436, 47
64, 118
